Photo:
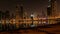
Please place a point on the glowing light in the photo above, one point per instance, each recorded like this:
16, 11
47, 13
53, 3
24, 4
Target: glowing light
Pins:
32, 15
39, 22
14, 21
7, 21
49, 5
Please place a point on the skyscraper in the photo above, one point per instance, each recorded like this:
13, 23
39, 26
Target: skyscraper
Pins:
52, 8
17, 11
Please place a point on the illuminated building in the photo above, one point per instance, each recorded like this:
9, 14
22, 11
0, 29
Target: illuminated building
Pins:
20, 16
52, 8
52, 11
17, 12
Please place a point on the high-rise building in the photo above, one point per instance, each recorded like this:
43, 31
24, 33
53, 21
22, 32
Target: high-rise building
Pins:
17, 11
52, 8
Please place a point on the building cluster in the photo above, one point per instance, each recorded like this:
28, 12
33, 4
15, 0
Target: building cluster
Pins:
20, 17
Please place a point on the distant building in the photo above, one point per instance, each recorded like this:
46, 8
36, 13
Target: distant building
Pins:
21, 12
17, 12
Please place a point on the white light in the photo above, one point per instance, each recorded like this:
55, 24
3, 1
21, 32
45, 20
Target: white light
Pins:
44, 22
32, 15
49, 5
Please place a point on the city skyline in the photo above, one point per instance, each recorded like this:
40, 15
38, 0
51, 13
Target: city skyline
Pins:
29, 6
29, 16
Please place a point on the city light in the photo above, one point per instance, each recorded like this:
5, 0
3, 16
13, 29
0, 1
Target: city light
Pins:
32, 15
21, 19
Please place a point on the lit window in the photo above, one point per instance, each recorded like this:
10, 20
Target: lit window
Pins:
14, 21
39, 22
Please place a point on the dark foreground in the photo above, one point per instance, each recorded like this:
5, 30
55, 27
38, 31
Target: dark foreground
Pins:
52, 29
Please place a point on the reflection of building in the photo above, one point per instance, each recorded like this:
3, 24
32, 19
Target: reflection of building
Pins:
52, 8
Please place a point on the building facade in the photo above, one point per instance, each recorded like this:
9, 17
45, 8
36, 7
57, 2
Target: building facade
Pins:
52, 8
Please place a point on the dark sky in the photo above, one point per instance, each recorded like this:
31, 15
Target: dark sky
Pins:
30, 6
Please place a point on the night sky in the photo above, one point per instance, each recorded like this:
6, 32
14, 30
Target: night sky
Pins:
30, 6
